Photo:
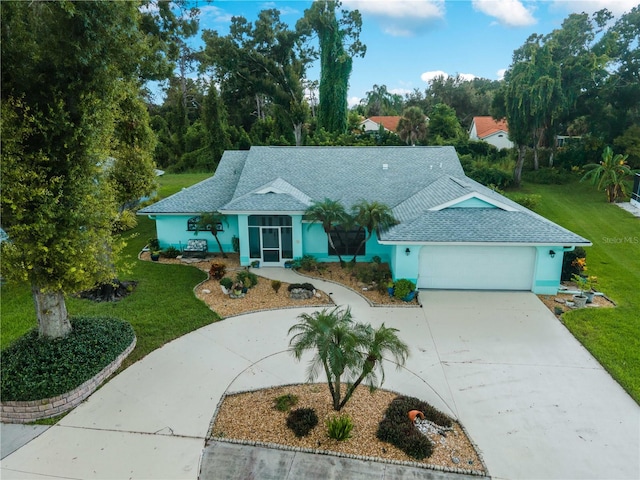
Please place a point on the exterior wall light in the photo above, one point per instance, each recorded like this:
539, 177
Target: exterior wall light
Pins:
407, 251
552, 253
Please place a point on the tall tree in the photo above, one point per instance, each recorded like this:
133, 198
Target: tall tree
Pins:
65, 67
380, 101
336, 58
263, 59
443, 124
345, 350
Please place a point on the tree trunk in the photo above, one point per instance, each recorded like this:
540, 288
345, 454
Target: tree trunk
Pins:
517, 171
297, 133
214, 232
53, 319
360, 246
332, 245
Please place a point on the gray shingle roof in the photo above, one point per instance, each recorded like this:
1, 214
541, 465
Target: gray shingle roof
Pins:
411, 180
492, 225
207, 196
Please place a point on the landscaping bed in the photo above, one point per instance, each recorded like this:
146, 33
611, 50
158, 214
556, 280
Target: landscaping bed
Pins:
260, 297
252, 417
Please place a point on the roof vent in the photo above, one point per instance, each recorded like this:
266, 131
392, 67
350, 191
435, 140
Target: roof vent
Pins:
385, 166
440, 164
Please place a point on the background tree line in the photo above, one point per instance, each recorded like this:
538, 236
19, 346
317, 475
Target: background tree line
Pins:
580, 80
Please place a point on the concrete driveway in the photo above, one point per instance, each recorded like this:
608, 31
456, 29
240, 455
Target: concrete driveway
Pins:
533, 400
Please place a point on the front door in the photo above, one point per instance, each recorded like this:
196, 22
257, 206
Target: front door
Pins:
270, 246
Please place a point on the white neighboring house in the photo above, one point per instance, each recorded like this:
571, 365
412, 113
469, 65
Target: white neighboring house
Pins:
373, 124
488, 130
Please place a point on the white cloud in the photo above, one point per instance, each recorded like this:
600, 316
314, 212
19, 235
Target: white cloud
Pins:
511, 13
211, 13
500, 73
400, 18
283, 9
467, 77
353, 101
617, 7
429, 76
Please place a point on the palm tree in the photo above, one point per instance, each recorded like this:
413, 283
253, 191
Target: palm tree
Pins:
610, 174
344, 349
378, 343
412, 127
372, 216
330, 214
209, 222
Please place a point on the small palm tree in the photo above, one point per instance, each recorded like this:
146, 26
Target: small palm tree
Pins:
330, 214
610, 174
373, 217
344, 350
412, 127
209, 222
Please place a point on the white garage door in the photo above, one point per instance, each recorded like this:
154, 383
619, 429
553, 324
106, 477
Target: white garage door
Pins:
477, 267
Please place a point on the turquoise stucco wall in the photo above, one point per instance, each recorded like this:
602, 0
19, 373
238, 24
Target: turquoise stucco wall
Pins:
315, 243
172, 231
546, 280
403, 265
473, 203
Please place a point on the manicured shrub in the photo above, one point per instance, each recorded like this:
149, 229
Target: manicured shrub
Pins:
247, 278
339, 427
284, 402
276, 284
217, 270
33, 368
527, 201
170, 252
397, 429
403, 287
365, 273
302, 421
226, 282
308, 263
491, 176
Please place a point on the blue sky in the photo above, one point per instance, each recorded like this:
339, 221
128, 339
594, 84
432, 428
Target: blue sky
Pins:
409, 41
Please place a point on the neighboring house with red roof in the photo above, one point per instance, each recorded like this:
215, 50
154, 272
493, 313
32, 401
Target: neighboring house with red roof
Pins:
373, 124
488, 130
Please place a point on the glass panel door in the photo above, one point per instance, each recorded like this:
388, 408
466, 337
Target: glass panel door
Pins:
271, 245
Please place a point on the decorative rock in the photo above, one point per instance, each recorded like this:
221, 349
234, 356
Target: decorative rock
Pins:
206, 290
300, 294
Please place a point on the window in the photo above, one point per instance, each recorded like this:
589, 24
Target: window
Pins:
192, 225
346, 242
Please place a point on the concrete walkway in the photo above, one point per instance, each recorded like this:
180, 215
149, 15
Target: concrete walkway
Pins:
534, 401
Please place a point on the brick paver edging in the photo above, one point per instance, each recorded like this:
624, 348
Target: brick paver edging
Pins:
25, 412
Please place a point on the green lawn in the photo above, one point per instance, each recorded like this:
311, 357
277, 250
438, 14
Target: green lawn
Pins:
162, 307
611, 335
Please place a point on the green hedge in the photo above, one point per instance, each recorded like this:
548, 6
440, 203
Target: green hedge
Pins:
34, 369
